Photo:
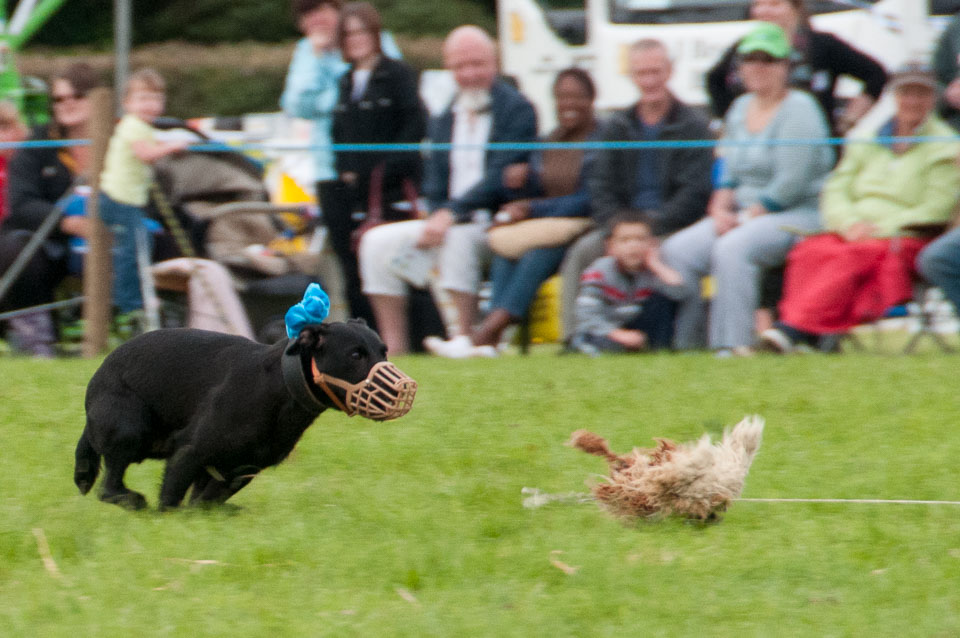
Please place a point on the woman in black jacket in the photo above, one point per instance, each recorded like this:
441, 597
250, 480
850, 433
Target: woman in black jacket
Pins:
36, 179
818, 59
378, 103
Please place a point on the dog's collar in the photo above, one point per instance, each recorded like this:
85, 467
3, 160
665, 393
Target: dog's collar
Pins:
297, 385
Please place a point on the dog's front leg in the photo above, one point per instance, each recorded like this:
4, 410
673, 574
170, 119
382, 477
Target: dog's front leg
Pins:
182, 470
216, 491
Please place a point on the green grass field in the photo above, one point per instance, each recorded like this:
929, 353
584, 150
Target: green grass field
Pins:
416, 527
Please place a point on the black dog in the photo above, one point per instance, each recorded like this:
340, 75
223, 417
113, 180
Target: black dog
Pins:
220, 408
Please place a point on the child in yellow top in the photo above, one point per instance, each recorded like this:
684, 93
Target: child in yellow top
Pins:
125, 180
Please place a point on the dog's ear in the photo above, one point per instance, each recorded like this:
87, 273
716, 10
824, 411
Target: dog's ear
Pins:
310, 339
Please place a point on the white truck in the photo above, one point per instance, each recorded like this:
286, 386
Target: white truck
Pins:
538, 39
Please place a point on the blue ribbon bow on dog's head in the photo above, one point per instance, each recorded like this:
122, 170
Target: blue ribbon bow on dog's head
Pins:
313, 309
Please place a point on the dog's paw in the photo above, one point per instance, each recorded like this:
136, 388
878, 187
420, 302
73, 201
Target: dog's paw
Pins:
128, 500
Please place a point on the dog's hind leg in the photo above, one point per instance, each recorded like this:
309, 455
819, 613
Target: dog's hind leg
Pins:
114, 490
87, 465
183, 469
121, 422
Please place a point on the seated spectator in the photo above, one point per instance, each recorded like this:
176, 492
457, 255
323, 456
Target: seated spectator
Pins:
378, 104
946, 65
12, 129
817, 60
458, 183
875, 206
939, 263
555, 180
764, 190
671, 184
626, 297
37, 178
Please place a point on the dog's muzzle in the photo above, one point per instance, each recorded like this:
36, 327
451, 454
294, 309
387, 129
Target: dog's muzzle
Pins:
386, 393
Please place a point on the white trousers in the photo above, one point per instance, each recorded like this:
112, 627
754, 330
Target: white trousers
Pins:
460, 260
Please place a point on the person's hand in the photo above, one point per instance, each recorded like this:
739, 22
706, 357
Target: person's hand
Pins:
721, 208
629, 339
515, 175
655, 264
952, 93
652, 259
723, 220
859, 231
76, 225
512, 212
178, 146
756, 210
435, 228
855, 109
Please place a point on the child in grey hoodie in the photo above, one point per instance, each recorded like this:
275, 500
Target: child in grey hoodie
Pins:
627, 298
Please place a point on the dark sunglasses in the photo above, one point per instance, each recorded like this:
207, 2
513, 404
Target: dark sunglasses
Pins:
57, 99
760, 57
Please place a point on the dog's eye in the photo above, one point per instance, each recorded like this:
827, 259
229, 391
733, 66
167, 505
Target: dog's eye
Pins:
356, 355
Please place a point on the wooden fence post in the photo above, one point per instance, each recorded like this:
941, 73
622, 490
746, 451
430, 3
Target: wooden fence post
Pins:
97, 264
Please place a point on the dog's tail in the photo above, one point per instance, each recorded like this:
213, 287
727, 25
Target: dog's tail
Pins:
87, 465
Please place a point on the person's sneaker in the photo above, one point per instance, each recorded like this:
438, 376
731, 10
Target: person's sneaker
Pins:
33, 334
737, 352
485, 352
127, 325
776, 340
460, 347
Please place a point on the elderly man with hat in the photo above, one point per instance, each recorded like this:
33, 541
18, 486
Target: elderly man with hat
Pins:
878, 208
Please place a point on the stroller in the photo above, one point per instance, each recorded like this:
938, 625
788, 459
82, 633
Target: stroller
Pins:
215, 205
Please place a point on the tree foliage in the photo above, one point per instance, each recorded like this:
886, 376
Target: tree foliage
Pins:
90, 22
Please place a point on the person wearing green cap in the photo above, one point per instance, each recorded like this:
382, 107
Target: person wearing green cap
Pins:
764, 188
817, 60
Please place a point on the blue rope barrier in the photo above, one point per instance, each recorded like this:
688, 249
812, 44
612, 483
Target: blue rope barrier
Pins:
43, 144
428, 146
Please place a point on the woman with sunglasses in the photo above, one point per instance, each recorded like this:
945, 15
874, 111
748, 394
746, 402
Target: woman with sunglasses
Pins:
36, 179
767, 191
817, 59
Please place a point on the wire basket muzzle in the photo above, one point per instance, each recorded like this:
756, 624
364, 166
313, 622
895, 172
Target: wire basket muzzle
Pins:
387, 393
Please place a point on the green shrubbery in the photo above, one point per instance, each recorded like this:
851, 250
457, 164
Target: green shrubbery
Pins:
202, 78
221, 79
89, 22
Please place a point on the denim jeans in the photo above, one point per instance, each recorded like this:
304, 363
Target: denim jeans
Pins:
124, 222
939, 263
516, 282
655, 320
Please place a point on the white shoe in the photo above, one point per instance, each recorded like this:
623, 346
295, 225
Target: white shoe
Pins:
485, 352
775, 340
460, 347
